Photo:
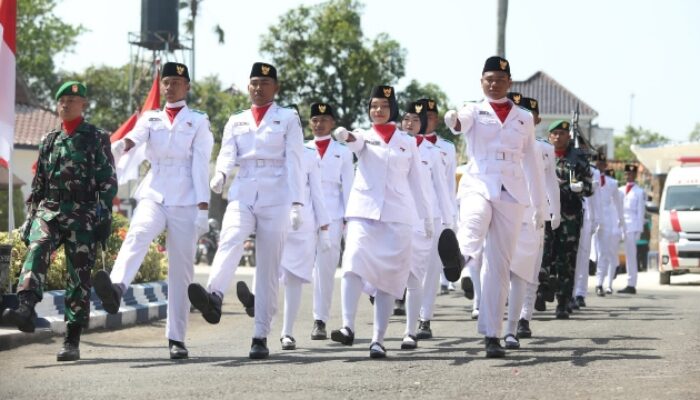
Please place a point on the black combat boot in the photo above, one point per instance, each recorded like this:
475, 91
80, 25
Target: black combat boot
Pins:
562, 311
23, 317
71, 344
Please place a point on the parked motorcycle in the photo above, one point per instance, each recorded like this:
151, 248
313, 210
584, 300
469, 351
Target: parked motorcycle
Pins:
248, 252
207, 244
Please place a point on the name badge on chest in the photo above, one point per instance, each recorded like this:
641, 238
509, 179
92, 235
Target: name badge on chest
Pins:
373, 142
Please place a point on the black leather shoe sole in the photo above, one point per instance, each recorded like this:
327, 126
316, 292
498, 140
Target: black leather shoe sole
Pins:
338, 336
468, 287
244, 295
258, 352
104, 290
68, 355
178, 354
376, 350
199, 298
450, 256
495, 352
319, 335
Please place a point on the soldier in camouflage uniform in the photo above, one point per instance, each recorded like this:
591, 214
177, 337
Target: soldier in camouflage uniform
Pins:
70, 205
561, 244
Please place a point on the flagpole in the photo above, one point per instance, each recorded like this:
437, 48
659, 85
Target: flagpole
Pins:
10, 208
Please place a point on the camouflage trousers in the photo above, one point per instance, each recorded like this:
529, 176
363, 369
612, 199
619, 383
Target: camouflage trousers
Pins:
79, 247
559, 254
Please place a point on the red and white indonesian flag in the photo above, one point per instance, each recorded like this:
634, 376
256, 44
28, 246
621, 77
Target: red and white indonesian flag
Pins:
128, 165
8, 17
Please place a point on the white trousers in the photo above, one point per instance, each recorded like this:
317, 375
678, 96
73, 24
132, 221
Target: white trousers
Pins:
498, 222
292, 301
149, 220
516, 299
631, 239
432, 277
606, 243
325, 266
583, 255
270, 225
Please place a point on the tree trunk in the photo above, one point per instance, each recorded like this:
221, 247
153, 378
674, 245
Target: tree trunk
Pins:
501, 36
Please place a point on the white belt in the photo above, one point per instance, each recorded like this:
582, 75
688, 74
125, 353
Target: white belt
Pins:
503, 156
260, 163
172, 162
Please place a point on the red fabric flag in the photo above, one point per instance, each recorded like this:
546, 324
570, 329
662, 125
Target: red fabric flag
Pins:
152, 103
8, 28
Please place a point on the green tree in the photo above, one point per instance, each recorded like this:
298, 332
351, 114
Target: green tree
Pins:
322, 55
695, 134
639, 136
108, 93
40, 37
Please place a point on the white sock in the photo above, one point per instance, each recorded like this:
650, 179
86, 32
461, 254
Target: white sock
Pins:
292, 301
383, 307
414, 299
350, 291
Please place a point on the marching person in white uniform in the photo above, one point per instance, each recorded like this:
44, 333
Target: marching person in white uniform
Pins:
302, 244
634, 208
591, 222
612, 226
173, 196
424, 250
503, 177
386, 197
337, 171
267, 143
434, 269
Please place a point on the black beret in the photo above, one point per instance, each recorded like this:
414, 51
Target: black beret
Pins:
321, 109
515, 97
430, 104
610, 172
385, 92
175, 69
630, 168
496, 63
421, 109
263, 70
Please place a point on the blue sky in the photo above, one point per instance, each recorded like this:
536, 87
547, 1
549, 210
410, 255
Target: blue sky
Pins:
603, 51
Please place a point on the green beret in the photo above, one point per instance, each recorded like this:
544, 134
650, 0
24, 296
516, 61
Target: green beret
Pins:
559, 124
72, 88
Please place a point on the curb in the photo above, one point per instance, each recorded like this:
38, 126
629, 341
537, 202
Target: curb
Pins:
141, 303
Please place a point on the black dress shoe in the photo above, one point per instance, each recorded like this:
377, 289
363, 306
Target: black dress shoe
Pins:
468, 287
246, 297
580, 301
288, 343
424, 331
343, 336
376, 350
628, 290
562, 312
319, 330
450, 255
599, 291
207, 303
399, 307
512, 343
494, 348
258, 349
109, 293
409, 342
178, 351
524, 331
540, 304
71, 344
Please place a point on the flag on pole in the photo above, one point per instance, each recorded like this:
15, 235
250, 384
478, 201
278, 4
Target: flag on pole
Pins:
128, 165
8, 18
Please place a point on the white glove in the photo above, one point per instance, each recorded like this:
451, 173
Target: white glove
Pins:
451, 118
538, 219
576, 187
202, 222
217, 182
556, 221
295, 216
341, 134
324, 239
428, 223
118, 148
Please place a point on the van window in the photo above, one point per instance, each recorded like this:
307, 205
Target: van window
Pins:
683, 198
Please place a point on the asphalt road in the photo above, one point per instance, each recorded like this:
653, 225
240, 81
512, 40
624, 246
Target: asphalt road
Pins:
619, 347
